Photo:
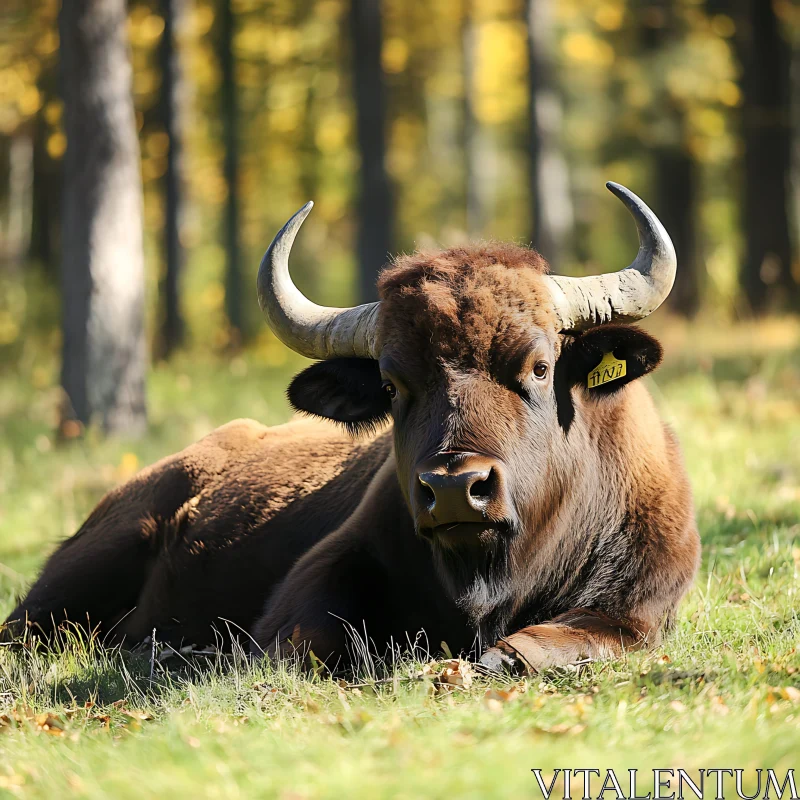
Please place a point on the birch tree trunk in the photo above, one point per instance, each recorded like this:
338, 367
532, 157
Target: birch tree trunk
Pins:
549, 179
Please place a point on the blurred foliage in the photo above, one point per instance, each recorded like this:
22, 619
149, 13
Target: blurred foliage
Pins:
297, 131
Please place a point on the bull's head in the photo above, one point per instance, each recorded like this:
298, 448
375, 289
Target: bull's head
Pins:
481, 359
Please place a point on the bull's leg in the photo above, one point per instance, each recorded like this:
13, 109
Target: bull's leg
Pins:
568, 638
334, 592
95, 577
92, 579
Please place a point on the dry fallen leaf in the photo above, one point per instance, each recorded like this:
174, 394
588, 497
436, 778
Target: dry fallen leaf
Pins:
340, 693
563, 729
454, 673
495, 699
49, 724
493, 705
311, 705
718, 706
140, 715
738, 597
791, 693
501, 695
46, 722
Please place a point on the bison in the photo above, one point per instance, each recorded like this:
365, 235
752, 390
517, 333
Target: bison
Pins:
496, 477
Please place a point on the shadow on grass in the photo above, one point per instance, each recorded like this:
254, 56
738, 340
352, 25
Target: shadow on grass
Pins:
105, 682
75, 671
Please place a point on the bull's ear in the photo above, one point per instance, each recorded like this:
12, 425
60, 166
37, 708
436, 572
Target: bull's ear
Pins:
602, 360
346, 390
605, 358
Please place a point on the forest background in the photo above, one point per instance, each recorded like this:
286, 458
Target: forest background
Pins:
408, 124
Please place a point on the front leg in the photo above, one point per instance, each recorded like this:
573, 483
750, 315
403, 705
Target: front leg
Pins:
566, 639
336, 591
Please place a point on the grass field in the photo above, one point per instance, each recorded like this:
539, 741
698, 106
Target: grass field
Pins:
724, 691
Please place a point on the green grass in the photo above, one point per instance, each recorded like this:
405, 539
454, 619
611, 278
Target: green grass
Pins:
724, 691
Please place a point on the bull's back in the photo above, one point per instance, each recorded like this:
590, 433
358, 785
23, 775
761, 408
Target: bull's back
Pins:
206, 533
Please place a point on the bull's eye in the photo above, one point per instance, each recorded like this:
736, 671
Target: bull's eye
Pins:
390, 389
540, 370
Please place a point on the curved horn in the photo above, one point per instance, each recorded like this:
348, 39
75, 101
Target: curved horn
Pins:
311, 330
627, 295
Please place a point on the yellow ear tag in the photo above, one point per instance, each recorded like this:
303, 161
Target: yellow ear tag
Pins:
609, 369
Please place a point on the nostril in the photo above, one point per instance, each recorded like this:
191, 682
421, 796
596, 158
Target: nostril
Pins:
482, 490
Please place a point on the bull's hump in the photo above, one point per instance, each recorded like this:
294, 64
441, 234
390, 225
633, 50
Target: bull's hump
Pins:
300, 450
245, 469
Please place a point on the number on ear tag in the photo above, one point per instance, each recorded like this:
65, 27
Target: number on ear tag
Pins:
609, 369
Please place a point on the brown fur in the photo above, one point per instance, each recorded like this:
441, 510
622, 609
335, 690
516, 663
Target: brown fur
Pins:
283, 533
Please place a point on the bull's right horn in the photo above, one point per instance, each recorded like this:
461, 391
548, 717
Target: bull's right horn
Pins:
311, 330
627, 295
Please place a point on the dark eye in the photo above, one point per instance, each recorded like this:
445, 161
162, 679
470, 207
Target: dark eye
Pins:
390, 389
540, 370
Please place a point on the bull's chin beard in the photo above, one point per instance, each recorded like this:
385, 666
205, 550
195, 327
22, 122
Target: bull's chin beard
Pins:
475, 571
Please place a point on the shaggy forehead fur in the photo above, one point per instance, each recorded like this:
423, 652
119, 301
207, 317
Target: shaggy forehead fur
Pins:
466, 303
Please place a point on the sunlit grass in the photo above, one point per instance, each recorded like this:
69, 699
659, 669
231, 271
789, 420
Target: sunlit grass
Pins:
724, 691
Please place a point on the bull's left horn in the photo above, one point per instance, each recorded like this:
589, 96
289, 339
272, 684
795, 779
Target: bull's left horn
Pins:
311, 330
627, 295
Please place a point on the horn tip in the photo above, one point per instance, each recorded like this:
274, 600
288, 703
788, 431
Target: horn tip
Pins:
634, 203
305, 210
618, 189
293, 225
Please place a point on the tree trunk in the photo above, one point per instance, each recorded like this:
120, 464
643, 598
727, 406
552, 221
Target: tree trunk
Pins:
375, 201
479, 161
474, 208
766, 59
549, 178
230, 122
104, 361
674, 169
16, 237
46, 196
675, 185
47, 181
794, 190
172, 102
